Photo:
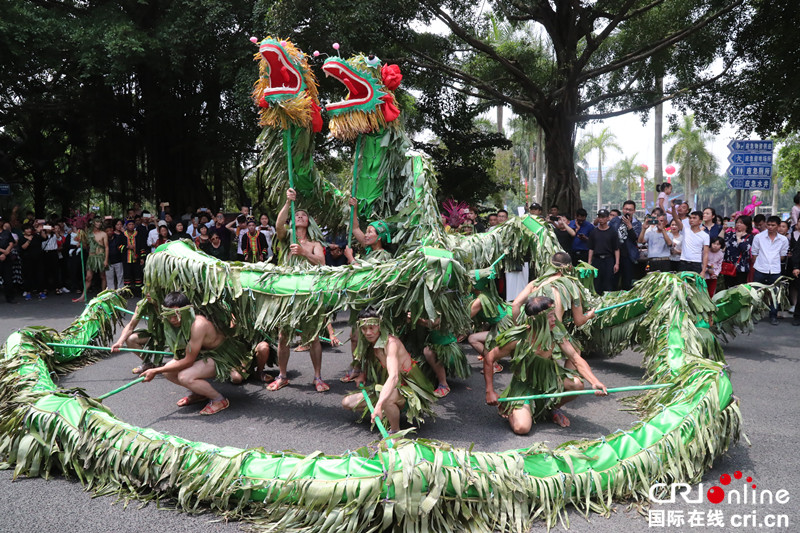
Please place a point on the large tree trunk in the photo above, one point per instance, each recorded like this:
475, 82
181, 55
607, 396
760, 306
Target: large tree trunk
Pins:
658, 141
540, 165
599, 180
561, 188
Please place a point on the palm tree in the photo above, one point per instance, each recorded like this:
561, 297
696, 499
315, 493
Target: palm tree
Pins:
602, 142
697, 164
626, 171
524, 136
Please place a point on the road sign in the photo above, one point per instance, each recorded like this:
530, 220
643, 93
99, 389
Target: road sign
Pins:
5, 189
750, 164
750, 183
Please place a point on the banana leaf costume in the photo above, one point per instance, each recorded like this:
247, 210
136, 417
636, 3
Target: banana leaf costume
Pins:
232, 354
97, 255
497, 315
532, 373
413, 384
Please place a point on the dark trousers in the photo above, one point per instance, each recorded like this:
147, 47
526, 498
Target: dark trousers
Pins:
605, 273
796, 283
691, 266
578, 256
32, 273
51, 274
132, 274
738, 279
659, 264
7, 272
625, 274
767, 279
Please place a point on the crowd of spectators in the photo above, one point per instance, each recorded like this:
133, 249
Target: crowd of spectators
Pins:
44, 257
41, 257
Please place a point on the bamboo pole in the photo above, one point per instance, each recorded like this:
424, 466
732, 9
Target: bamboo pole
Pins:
378, 421
602, 309
120, 389
287, 143
354, 190
582, 393
105, 348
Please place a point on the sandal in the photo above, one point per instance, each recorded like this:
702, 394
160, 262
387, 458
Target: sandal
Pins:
265, 377
139, 369
209, 409
303, 348
320, 385
350, 376
278, 383
191, 399
441, 391
497, 368
560, 418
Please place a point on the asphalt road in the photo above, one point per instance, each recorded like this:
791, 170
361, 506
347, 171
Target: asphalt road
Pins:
297, 418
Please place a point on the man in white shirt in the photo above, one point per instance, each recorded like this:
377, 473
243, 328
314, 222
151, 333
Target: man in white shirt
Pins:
695, 241
769, 247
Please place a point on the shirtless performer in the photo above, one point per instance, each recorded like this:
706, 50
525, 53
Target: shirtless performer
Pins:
535, 371
384, 359
97, 260
202, 352
308, 253
485, 310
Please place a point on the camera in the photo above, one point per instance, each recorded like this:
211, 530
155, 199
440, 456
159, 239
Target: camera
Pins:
652, 220
241, 219
553, 218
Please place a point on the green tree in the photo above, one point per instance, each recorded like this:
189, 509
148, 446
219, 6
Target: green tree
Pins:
598, 59
601, 143
697, 164
625, 173
141, 100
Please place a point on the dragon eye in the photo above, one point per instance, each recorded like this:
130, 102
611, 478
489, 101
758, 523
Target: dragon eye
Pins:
373, 61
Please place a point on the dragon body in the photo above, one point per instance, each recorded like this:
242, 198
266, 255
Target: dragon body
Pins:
416, 485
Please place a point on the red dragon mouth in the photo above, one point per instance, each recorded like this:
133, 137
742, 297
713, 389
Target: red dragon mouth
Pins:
359, 90
284, 78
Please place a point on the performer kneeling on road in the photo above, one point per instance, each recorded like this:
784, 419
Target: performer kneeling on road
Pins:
305, 252
399, 385
536, 370
202, 352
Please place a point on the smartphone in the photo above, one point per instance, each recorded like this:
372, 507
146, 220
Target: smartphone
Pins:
554, 218
165, 204
48, 228
40, 221
108, 217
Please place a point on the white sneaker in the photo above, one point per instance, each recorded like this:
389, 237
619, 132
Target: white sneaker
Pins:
64, 290
791, 309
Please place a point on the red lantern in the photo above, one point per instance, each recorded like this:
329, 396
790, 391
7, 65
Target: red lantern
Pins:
643, 167
670, 170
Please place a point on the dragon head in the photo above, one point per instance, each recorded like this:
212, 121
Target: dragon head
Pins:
286, 90
370, 104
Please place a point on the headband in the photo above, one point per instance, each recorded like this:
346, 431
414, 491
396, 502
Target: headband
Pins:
371, 321
382, 229
167, 312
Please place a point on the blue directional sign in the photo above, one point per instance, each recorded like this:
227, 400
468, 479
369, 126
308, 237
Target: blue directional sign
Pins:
5, 189
750, 164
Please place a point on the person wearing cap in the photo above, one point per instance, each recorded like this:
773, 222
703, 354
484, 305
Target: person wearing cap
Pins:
254, 243
604, 253
535, 209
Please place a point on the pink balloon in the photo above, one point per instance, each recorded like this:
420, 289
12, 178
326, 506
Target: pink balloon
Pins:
670, 170
643, 167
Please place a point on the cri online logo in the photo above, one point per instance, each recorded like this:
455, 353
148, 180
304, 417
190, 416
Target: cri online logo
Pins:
664, 493
716, 494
